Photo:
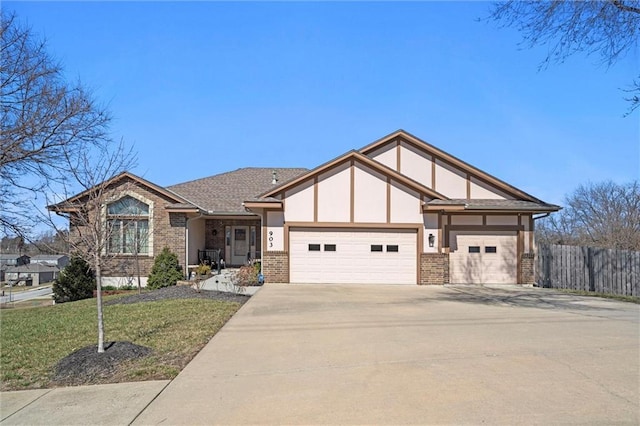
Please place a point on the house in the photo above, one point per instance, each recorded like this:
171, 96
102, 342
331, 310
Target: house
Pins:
57, 260
31, 274
398, 210
201, 221
11, 259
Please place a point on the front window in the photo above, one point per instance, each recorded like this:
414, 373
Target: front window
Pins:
128, 225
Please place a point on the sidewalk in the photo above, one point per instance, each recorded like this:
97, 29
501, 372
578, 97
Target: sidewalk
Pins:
113, 404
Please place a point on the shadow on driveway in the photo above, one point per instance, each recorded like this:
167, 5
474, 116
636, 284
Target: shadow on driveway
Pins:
527, 297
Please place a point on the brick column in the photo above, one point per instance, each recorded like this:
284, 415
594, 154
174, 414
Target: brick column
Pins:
528, 268
275, 266
434, 268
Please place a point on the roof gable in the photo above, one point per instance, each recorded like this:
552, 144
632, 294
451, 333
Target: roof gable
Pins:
70, 203
356, 157
436, 153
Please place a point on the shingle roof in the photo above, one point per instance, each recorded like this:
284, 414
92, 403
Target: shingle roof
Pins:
46, 257
32, 267
10, 256
486, 204
225, 193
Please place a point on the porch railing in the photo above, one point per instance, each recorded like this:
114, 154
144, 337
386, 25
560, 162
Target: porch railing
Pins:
209, 257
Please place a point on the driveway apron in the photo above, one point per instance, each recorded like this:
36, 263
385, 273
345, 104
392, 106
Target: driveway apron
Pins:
349, 354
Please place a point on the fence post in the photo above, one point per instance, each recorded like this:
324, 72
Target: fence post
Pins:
592, 284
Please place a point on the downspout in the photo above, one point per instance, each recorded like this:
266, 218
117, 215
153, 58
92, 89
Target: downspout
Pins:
263, 246
186, 243
536, 245
533, 230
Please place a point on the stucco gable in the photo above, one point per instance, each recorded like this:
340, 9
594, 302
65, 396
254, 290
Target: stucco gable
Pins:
352, 157
469, 181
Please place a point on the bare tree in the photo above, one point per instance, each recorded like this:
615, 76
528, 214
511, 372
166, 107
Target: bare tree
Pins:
89, 232
603, 214
609, 28
51, 242
140, 241
44, 122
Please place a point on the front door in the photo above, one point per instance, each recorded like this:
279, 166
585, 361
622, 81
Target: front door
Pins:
239, 245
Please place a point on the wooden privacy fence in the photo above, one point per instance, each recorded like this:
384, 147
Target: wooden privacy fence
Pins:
589, 268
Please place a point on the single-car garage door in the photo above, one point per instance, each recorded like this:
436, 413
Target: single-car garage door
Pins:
352, 256
483, 258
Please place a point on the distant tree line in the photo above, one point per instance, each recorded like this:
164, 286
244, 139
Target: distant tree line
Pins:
48, 242
603, 214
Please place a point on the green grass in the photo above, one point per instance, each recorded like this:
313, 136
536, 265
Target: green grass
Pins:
32, 341
21, 288
631, 299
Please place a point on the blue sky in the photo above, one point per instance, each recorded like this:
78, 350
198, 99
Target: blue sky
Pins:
206, 87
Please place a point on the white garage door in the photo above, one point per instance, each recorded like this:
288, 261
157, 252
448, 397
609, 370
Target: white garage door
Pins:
482, 258
352, 256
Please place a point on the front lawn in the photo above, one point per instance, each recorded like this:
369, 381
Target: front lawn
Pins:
33, 341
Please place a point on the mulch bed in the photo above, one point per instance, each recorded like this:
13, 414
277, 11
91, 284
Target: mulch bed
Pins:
86, 365
177, 292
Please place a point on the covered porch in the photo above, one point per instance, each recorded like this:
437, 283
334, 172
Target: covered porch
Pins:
228, 241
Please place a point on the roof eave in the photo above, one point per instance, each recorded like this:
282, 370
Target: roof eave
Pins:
438, 208
487, 209
69, 201
183, 210
272, 205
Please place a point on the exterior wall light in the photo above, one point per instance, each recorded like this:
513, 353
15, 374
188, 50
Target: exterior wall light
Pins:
432, 240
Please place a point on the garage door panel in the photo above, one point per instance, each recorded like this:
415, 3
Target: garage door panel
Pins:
353, 261
478, 257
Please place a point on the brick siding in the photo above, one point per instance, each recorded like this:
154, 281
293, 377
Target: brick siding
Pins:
217, 241
528, 268
168, 231
275, 266
434, 268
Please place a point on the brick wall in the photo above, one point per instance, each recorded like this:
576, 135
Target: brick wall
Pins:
528, 268
434, 268
168, 231
275, 266
217, 241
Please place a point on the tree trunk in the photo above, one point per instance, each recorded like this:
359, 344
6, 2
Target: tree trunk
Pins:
138, 272
99, 301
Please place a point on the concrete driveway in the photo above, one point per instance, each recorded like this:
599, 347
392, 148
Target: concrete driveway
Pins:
331, 354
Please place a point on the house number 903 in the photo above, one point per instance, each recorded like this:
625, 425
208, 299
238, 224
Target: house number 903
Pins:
270, 238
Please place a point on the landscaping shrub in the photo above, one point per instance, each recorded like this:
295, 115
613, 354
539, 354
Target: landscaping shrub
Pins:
76, 282
247, 275
166, 270
203, 269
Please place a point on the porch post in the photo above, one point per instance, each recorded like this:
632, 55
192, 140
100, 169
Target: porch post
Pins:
186, 248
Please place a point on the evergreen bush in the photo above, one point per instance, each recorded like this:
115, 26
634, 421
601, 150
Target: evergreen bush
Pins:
166, 270
76, 282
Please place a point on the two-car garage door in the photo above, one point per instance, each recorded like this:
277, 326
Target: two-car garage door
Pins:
343, 256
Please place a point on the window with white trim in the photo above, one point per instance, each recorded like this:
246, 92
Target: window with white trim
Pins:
128, 225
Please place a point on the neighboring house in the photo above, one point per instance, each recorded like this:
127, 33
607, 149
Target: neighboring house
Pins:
398, 211
58, 260
11, 259
31, 274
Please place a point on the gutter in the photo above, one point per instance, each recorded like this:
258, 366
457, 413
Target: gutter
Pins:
541, 217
